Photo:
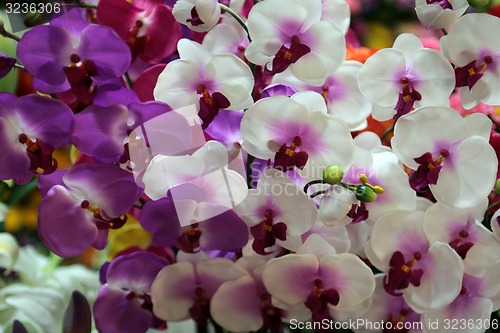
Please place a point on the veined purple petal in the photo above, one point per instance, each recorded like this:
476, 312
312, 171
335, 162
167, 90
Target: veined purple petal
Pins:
109, 53
45, 182
160, 218
45, 118
13, 157
142, 112
73, 21
135, 271
114, 313
111, 94
44, 51
106, 186
63, 225
226, 232
100, 131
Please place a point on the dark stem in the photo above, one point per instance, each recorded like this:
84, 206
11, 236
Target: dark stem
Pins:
250, 160
84, 5
387, 132
129, 81
487, 215
444, 31
317, 193
202, 328
8, 34
313, 182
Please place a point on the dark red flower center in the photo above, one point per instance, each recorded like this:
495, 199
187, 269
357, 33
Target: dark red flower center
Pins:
101, 220
135, 42
79, 74
195, 19
210, 105
271, 315
189, 241
428, 171
289, 156
40, 155
460, 243
407, 98
288, 55
402, 274
266, 232
318, 300
200, 311
472, 72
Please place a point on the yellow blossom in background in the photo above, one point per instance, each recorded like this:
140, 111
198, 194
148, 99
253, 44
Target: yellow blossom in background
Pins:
131, 234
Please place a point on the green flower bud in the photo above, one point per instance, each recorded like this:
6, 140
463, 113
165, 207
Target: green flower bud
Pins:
497, 187
365, 193
333, 174
32, 18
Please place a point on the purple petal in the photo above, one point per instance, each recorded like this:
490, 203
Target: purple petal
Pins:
45, 118
124, 272
160, 218
44, 51
101, 240
13, 158
278, 90
109, 53
114, 313
100, 131
226, 126
142, 112
105, 186
63, 225
45, 182
77, 317
6, 64
111, 94
225, 232
73, 21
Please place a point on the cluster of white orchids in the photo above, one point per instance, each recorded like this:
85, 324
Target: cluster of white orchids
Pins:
340, 226
282, 207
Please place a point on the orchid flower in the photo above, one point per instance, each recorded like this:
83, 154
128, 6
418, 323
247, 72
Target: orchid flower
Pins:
210, 82
397, 79
440, 14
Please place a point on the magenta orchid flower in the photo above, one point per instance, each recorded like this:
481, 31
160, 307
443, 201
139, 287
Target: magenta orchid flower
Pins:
148, 26
30, 128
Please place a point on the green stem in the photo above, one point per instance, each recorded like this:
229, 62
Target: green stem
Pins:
487, 215
54, 261
237, 18
314, 182
8, 34
444, 31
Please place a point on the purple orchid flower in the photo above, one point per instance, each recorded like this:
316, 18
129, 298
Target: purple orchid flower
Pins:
66, 54
82, 205
30, 128
225, 232
124, 301
100, 131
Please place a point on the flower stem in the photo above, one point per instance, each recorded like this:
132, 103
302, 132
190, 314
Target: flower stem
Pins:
237, 18
444, 31
84, 5
8, 34
317, 193
250, 160
129, 81
314, 182
488, 216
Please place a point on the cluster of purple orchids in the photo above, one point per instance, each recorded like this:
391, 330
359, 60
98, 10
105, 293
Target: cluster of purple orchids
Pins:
247, 158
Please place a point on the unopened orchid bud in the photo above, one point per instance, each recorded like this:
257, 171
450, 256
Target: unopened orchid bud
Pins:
366, 194
333, 174
32, 19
